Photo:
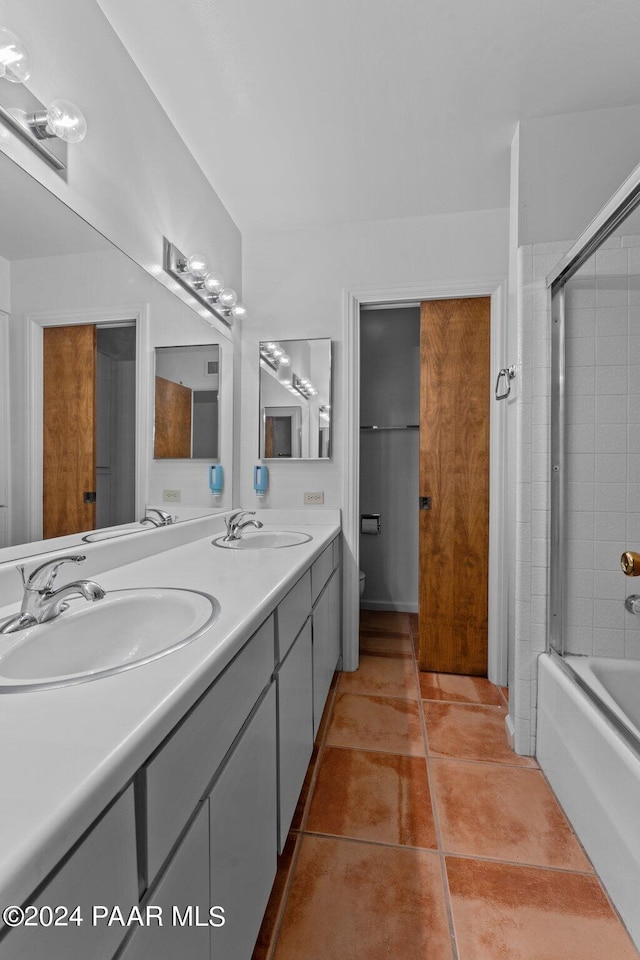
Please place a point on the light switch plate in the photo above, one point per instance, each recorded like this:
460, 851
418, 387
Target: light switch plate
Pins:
314, 498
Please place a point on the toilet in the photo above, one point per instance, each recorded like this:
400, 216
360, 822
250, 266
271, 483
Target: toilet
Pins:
362, 579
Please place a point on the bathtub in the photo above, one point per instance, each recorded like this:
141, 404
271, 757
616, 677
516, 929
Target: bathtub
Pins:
591, 756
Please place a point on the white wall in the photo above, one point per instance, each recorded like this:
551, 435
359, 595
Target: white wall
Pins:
297, 283
569, 166
301, 284
105, 280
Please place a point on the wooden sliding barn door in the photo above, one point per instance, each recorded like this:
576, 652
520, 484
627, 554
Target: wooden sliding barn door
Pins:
454, 476
69, 429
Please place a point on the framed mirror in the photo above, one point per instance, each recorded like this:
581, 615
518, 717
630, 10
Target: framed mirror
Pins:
186, 411
295, 399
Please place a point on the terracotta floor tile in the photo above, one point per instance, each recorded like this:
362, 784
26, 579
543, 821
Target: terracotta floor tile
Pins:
385, 645
450, 686
507, 813
271, 915
373, 796
470, 732
364, 902
385, 620
376, 723
382, 676
504, 912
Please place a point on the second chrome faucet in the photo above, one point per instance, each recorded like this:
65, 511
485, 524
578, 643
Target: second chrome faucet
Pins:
41, 602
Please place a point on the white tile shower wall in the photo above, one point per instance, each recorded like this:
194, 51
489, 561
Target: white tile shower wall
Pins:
602, 462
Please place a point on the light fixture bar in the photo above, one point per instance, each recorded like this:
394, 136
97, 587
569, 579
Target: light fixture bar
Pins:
173, 263
16, 104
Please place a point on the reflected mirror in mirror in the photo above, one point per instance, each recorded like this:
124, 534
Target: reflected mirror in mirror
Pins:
186, 403
295, 399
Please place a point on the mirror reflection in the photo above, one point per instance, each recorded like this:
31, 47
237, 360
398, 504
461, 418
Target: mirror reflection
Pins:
295, 399
78, 322
186, 403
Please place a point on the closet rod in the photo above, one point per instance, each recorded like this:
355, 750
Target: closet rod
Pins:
408, 426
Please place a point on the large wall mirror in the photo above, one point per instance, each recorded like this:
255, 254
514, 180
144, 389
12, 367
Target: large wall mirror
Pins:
187, 403
295, 399
79, 321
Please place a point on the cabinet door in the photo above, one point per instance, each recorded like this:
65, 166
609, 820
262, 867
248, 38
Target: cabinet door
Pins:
326, 645
243, 830
295, 726
184, 887
101, 871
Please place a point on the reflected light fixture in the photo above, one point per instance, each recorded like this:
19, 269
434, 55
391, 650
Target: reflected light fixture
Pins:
47, 130
207, 287
15, 64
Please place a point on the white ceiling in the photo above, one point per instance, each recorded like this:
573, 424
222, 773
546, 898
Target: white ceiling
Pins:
304, 112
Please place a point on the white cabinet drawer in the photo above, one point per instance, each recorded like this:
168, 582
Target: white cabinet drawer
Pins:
184, 886
177, 776
292, 613
243, 810
102, 871
295, 726
326, 645
321, 571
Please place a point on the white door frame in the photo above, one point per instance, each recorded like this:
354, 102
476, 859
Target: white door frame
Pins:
36, 322
496, 288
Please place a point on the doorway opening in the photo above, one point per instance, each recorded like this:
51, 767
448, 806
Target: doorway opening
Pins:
494, 290
88, 437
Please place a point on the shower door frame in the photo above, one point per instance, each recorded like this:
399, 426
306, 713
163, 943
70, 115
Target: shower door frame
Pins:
623, 201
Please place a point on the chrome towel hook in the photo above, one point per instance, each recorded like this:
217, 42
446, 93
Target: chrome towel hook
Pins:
508, 373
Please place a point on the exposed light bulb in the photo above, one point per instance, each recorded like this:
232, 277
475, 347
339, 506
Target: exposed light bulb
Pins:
213, 283
15, 64
197, 265
66, 121
239, 312
228, 298
285, 360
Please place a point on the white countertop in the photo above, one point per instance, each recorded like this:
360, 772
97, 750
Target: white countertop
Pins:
66, 752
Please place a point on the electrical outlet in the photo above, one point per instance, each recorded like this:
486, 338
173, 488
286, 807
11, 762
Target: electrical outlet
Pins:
171, 495
314, 498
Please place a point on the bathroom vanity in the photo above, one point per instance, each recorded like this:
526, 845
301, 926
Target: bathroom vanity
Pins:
149, 806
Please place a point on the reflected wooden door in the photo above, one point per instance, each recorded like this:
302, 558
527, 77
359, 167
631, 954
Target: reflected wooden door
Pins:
172, 420
69, 429
454, 475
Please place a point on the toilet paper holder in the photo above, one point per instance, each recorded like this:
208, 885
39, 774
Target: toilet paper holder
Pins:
370, 523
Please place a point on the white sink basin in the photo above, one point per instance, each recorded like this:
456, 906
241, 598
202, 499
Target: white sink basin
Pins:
264, 540
91, 640
112, 534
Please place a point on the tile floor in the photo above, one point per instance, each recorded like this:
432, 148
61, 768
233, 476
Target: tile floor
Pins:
420, 836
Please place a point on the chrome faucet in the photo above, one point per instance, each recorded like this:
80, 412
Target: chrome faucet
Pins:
164, 519
235, 526
41, 602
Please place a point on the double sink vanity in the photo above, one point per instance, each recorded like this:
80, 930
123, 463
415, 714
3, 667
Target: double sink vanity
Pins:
155, 739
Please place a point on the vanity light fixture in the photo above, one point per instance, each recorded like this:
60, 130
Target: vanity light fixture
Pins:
273, 354
15, 64
304, 387
47, 130
207, 287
